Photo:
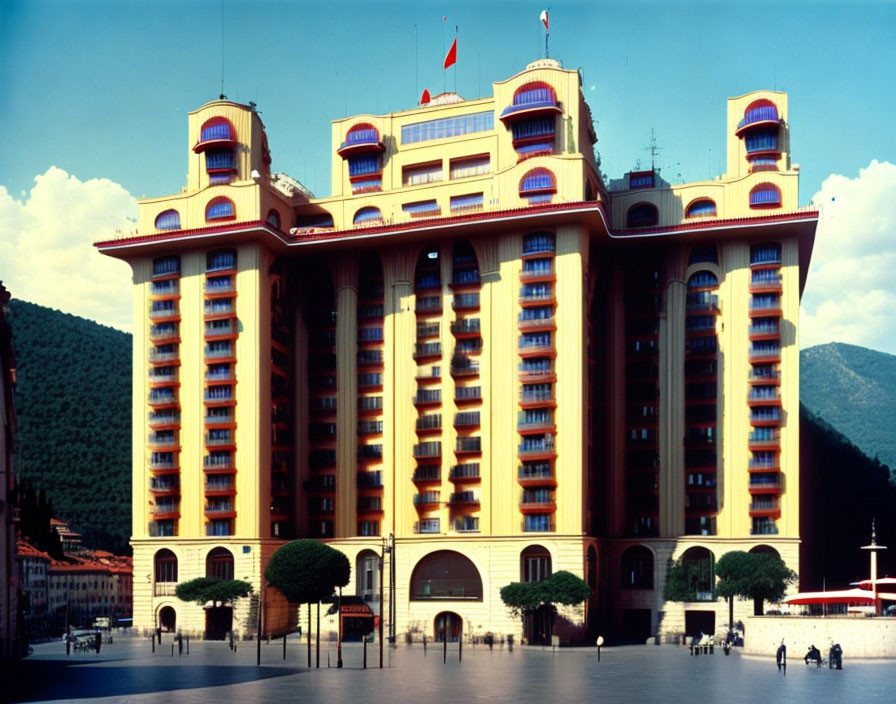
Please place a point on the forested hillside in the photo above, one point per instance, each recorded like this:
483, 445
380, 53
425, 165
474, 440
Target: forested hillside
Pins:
853, 389
841, 491
73, 403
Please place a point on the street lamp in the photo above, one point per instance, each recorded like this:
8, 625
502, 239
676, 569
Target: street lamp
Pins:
385, 548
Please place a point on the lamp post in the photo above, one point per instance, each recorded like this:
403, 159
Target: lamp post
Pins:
392, 589
874, 548
386, 548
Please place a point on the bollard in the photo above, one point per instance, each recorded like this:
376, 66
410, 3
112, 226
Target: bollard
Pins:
365, 652
188, 645
445, 648
600, 642
460, 648
424, 645
284, 646
172, 649
152, 639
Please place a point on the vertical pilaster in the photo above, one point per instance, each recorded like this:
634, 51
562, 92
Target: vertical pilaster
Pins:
345, 280
671, 420
398, 391
615, 486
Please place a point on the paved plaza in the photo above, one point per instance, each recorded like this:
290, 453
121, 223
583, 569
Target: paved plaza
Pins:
128, 671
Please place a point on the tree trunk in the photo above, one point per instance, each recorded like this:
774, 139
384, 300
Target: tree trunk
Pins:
309, 635
731, 613
758, 606
317, 640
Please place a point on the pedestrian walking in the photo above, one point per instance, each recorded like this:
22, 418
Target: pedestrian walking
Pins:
781, 655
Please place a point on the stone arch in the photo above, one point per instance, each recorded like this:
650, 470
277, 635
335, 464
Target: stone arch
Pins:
219, 563
702, 562
637, 568
167, 618
535, 563
164, 566
763, 549
367, 579
445, 575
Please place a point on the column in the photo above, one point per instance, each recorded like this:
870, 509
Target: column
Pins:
345, 280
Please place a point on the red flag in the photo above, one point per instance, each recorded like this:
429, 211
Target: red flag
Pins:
544, 18
424, 99
451, 56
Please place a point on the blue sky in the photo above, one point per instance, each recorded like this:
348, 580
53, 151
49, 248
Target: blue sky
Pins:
94, 94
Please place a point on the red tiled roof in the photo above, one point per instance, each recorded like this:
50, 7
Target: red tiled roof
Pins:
25, 549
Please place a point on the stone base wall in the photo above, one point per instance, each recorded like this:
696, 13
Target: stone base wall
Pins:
859, 637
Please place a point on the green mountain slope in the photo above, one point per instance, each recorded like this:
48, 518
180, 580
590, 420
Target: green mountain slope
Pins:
853, 389
73, 404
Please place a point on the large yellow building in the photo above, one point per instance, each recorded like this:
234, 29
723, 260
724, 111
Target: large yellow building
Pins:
475, 351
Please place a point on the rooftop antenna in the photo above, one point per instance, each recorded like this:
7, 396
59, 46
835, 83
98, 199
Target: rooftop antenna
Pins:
653, 149
222, 96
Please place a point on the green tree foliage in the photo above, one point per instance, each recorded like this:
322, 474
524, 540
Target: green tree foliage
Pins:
560, 588
35, 512
687, 578
73, 408
306, 571
759, 576
520, 597
205, 589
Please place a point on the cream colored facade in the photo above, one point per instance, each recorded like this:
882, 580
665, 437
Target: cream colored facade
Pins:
453, 349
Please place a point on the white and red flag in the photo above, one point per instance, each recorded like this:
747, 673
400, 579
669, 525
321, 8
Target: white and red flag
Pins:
544, 18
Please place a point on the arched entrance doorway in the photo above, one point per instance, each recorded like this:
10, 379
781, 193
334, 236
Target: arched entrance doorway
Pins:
168, 619
218, 616
448, 624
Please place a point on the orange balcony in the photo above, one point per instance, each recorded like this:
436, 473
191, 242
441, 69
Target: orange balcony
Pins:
538, 276
768, 486
534, 478
538, 507
226, 488
536, 324
771, 509
529, 351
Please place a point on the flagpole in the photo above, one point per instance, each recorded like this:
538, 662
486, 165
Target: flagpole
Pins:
416, 63
444, 78
455, 63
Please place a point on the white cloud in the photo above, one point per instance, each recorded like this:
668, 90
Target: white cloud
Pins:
850, 294
46, 246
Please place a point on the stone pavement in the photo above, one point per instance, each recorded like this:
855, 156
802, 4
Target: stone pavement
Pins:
128, 671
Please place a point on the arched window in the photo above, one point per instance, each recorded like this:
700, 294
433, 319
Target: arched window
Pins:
535, 564
362, 133
768, 253
761, 110
368, 216
219, 564
699, 566
464, 264
221, 260
165, 563
314, 221
765, 550
701, 208
220, 208
642, 215
637, 568
539, 242
535, 93
765, 195
538, 186
703, 279
273, 218
367, 575
168, 220
166, 266
703, 253
217, 129
446, 575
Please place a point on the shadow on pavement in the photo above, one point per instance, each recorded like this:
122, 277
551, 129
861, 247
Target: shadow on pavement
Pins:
48, 680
